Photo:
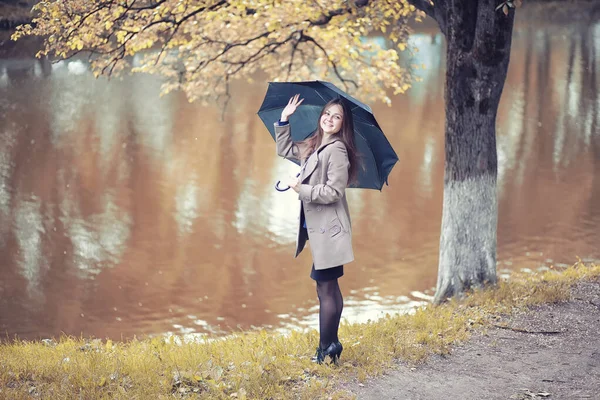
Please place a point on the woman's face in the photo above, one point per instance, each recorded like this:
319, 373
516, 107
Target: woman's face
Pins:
331, 120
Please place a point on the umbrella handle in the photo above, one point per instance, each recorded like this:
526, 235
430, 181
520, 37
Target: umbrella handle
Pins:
283, 189
280, 189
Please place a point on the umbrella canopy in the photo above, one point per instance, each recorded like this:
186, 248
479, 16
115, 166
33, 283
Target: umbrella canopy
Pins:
377, 155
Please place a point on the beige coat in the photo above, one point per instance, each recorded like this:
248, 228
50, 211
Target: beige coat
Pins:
324, 178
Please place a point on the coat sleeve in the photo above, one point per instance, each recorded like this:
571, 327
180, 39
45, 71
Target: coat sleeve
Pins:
337, 179
286, 147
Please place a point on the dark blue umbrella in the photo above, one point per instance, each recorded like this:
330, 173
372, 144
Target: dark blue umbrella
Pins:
377, 155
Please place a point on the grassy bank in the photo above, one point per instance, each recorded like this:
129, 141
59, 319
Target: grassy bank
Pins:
262, 365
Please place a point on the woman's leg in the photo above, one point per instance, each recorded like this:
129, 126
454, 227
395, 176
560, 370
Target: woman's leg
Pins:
339, 303
331, 304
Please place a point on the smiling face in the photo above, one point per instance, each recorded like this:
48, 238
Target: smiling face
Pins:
331, 120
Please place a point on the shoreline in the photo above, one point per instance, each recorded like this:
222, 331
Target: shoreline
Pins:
268, 364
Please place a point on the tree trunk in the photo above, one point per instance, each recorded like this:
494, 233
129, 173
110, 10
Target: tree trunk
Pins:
478, 51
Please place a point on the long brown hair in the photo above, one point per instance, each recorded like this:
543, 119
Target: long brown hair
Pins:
346, 135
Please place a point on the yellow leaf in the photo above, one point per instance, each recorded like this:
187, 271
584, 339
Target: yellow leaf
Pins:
102, 382
108, 25
121, 36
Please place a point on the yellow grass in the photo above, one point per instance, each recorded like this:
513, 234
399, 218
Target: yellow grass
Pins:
262, 365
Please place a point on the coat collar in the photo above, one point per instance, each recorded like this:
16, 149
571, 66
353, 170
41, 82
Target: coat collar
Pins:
312, 161
328, 140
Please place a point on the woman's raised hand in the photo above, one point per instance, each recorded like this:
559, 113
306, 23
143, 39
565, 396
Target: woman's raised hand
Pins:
294, 102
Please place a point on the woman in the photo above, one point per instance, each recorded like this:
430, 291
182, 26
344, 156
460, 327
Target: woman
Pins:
329, 160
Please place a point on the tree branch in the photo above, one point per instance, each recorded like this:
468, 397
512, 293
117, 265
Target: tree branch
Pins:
435, 10
261, 53
510, 328
178, 24
228, 47
327, 16
333, 64
148, 7
168, 28
294, 48
86, 16
424, 5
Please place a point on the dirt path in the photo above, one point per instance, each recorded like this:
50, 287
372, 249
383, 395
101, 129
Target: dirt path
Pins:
552, 351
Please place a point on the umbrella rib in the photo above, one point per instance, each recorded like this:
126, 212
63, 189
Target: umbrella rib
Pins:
321, 96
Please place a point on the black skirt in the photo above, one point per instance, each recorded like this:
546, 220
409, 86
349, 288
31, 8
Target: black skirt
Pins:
328, 274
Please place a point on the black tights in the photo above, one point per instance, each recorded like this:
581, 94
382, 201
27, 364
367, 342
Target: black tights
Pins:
330, 311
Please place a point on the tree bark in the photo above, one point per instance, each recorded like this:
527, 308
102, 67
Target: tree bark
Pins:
478, 52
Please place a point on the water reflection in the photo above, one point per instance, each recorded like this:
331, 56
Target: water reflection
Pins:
126, 213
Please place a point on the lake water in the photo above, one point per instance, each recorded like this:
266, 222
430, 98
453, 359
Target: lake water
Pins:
124, 213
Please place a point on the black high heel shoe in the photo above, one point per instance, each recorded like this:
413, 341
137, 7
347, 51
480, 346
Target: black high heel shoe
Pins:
334, 351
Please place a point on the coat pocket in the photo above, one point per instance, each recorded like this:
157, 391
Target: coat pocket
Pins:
334, 225
336, 228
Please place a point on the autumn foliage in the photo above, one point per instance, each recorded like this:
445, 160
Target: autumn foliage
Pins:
200, 46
